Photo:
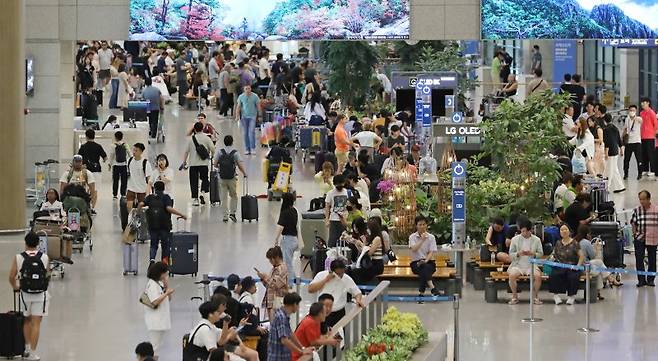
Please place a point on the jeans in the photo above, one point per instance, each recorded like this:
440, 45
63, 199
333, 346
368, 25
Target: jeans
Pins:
199, 172
153, 117
564, 280
633, 149
649, 155
336, 228
119, 173
249, 133
289, 245
182, 92
227, 102
228, 188
640, 248
160, 237
425, 271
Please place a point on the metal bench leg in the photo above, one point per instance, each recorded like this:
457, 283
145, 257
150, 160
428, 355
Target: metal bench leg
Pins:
478, 279
470, 266
490, 291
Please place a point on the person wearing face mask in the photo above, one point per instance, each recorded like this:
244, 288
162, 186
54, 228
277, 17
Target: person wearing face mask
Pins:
632, 141
162, 172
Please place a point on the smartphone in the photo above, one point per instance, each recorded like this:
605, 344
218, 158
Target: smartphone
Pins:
256, 269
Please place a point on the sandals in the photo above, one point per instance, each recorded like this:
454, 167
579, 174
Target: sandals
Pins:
513, 301
537, 301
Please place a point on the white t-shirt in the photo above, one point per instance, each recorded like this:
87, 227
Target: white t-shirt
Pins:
366, 138
56, 207
159, 174
337, 287
634, 135
206, 336
247, 297
567, 126
429, 245
562, 194
337, 202
263, 68
137, 176
105, 58
76, 177
158, 319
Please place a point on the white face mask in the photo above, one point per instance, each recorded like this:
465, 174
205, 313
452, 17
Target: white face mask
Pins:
632, 114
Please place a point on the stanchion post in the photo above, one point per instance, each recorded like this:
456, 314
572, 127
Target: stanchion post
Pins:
587, 329
532, 318
455, 307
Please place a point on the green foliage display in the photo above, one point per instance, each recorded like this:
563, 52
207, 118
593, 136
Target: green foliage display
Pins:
350, 65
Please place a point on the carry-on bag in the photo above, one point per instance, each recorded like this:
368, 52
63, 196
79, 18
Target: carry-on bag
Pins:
12, 341
130, 258
141, 226
248, 205
214, 187
184, 251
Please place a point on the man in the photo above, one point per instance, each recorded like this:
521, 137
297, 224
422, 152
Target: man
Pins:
247, 113
144, 350
78, 174
336, 283
156, 104
197, 156
206, 337
241, 55
649, 130
119, 164
158, 216
564, 194
538, 84
343, 143
577, 96
498, 238
181, 77
569, 128
308, 332
213, 76
29, 276
578, 212
264, 68
423, 246
525, 246
396, 140
139, 170
277, 67
573, 90
612, 149
282, 342
645, 234
536, 58
226, 159
105, 57
633, 144
589, 111
336, 209
92, 152
327, 302
224, 81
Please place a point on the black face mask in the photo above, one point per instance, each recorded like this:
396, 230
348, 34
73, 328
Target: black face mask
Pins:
349, 208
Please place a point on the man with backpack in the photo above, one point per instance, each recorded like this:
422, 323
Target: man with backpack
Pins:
158, 217
29, 276
139, 169
78, 174
197, 157
226, 160
119, 164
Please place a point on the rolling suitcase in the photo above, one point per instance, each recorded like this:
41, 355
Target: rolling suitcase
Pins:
123, 212
12, 341
214, 188
248, 205
142, 235
130, 256
184, 252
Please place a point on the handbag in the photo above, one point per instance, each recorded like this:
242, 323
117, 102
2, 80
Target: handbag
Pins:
624, 137
146, 301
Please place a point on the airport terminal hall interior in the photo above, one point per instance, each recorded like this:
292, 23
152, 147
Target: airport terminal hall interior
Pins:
329, 180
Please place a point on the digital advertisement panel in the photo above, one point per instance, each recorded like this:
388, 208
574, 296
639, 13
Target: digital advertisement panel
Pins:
158, 20
569, 19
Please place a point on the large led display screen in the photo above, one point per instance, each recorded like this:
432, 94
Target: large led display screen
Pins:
268, 19
569, 19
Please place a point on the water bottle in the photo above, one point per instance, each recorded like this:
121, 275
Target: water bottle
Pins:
468, 242
493, 257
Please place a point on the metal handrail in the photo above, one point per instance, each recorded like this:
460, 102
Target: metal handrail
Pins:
357, 322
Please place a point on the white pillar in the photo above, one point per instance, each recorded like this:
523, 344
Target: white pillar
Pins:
629, 75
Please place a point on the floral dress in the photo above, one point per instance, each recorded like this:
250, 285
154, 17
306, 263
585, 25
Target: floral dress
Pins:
277, 285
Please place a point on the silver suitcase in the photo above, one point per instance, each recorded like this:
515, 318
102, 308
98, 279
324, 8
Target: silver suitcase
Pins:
130, 256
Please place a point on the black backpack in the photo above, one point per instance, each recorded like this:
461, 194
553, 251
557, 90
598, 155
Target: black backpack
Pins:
201, 150
143, 166
226, 164
192, 352
157, 216
33, 274
121, 153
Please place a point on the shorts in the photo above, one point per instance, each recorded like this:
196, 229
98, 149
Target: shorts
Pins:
104, 74
214, 84
35, 304
341, 157
522, 271
131, 196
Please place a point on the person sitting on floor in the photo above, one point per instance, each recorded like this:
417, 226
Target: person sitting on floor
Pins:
498, 237
567, 251
524, 246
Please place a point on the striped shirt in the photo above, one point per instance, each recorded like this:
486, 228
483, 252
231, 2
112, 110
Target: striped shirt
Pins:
645, 222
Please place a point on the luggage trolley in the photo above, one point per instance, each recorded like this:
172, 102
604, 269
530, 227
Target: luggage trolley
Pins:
42, 173
55, 266
311, 140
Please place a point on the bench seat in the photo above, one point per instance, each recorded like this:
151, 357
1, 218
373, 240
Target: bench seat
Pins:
499, 280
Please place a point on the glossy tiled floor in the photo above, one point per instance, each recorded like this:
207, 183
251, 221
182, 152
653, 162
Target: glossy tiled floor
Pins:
95, 315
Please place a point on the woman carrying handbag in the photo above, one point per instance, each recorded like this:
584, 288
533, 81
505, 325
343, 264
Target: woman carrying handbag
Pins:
156, 299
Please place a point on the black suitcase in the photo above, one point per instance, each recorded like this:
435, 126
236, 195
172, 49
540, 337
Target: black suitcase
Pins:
248, 205
320, 158
123, 212
12, 340
98, 93
184, 253
317, 261
214, 187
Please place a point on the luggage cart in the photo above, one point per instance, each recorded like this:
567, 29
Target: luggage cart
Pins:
42, 174
311, 140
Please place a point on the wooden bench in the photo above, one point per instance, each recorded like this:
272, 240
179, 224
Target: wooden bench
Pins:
405, 261
499, 280
444, 278
481, 270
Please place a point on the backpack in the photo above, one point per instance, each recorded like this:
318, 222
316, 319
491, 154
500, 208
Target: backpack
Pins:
157, 216
226, 164
33, 274
83, 175
143, 165
201, 150
121, 153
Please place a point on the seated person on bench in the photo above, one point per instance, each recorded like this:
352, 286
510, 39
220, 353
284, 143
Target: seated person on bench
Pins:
524, 246
498, 236
578, 212
423, 247
564, 280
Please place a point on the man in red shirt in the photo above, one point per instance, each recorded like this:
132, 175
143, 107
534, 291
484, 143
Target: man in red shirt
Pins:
648, 133
308, 331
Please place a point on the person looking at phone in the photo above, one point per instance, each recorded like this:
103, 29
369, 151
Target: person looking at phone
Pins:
336, 209
578, 212
423, 247
308, 332
276, 282
338, 284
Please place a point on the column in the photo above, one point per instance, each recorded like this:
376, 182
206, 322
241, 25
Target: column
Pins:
629, 76
12, 88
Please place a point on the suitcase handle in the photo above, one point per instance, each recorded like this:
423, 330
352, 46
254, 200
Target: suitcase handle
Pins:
178, 227
245, 186
17, 304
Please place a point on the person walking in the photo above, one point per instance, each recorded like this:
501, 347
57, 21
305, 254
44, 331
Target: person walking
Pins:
225, 93
125, 90
197, 157
160, 208
162, 172
288, 230
181, 78
29, 276
247, 113
156, 104
632, 141
645, 234
92, 152
648, 132
119, 164
226, 160
157, 314
613, 148
139, 170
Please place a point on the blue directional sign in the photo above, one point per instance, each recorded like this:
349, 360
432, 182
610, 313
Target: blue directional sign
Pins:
457, 117
450, 101
458, 192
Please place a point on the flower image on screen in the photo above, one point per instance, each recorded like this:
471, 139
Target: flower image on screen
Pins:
268, 19
569, 19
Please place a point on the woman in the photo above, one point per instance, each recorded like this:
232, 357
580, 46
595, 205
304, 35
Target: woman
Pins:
114, 76
53, 205
593, 255
111, 123
354, 211
125, 91
276, 283
287, 229
162, 173
561, 280
510, 88
368, 140
86, 73
375, 250
584, 142
159, 82
324, 178
158, 319
598, 163
314, 112
136, 82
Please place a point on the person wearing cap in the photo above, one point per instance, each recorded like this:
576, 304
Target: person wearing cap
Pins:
78, 174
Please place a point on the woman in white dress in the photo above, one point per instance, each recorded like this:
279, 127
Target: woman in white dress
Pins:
124, 88
157, 315
584, 142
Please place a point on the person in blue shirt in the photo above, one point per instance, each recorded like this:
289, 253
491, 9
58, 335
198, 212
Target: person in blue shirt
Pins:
247, 113
498, 236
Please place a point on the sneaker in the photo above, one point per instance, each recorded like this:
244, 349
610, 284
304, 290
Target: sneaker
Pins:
420, 296
639, 176
557, 299
93, 212
645, 173
571, 301
115, 197
651, 174
233, 218
436, 292
247, 153
225, 219
152, 261
537, 301
513, 301
66, 260
32, 357
195, 202
26, 353
202, 199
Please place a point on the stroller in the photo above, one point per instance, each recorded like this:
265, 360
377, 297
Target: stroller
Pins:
77, 205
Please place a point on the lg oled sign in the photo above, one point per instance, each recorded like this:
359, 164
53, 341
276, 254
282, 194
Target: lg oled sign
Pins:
569, 19
268, 19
